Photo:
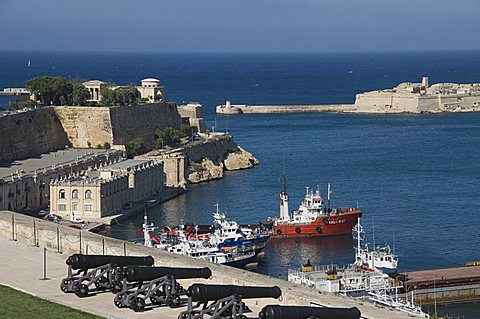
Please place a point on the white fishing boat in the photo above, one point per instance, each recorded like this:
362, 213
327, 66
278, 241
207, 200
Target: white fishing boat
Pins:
365, 278
198, 247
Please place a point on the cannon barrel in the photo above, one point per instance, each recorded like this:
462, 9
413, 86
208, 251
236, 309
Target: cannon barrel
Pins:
136, 273
205, 293
292, 312
80, 261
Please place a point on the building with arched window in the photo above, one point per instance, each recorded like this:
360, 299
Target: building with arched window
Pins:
103, 192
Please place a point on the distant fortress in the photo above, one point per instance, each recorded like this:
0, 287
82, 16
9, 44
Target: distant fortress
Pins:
405, 98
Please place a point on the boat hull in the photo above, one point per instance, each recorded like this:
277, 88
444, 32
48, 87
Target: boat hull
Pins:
330, 225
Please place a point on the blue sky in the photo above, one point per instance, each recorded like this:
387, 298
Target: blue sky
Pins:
239, 26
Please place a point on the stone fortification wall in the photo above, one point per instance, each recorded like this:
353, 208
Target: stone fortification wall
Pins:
86, 126
141, 121
67, 240
194, 113
91, 126
29, 134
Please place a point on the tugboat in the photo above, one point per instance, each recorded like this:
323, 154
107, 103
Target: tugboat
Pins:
312, 219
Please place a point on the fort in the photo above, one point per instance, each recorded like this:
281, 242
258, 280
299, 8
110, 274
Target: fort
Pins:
54, 158
405, 98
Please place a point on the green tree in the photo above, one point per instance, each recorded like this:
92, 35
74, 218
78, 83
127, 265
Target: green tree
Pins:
167, 136
136, 147
128, 95
185, 130
106, 146
80, 94
108, 94
51, 90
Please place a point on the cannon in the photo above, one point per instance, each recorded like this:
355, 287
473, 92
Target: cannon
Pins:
293, 312
104, 271
225, 300
157, 284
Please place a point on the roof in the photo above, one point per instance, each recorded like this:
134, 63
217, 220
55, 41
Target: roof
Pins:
124, 165
150, 80
93, 82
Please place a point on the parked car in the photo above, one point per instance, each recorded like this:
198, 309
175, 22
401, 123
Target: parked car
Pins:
53, 218
76, 220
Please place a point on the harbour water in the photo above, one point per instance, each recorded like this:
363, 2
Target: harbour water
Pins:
416, 177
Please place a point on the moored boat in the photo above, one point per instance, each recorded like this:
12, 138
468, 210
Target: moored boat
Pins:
312, 218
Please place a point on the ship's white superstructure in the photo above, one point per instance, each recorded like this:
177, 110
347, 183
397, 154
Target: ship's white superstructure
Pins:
364, 278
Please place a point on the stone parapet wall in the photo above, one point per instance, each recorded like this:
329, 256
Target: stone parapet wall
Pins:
67, 240
86, 126
129, 122
29, 134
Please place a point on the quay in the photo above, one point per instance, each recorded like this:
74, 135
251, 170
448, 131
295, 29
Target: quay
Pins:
231, 109
442, 286
23, 239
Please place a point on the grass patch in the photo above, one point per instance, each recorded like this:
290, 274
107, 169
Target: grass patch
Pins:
15, 304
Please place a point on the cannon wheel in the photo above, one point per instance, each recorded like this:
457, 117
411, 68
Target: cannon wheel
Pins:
116, 287
81, 290
138, 304
174, 302
118, 301
101, 283
64, 285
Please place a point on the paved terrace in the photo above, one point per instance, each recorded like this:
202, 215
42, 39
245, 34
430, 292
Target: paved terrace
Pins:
48, 162
21, 268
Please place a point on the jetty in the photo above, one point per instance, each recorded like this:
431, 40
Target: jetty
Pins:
442, 286
231, 109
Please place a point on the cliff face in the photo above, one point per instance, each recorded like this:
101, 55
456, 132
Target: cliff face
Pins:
30, 134
209, 159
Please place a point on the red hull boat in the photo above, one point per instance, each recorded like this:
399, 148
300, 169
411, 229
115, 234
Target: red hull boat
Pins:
312, 219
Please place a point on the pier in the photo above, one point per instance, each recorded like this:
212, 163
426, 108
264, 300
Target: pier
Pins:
446, 285
231, 109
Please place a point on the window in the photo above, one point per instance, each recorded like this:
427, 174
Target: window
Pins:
75, 193
88, 194
61, 194
88, 207
75, 207
62, 207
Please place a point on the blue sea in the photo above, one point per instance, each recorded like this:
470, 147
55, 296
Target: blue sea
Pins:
416, 177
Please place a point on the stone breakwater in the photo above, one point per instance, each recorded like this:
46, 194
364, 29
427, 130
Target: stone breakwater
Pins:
272, 109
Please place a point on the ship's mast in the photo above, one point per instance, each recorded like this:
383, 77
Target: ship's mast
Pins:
146, 230
284, 214
329, 192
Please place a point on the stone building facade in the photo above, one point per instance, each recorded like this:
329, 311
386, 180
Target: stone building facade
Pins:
150, 89
24, 186
105, 191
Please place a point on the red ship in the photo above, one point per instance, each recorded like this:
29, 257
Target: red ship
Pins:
313, 219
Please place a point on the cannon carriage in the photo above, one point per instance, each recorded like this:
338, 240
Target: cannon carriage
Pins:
102, 271
158, 285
